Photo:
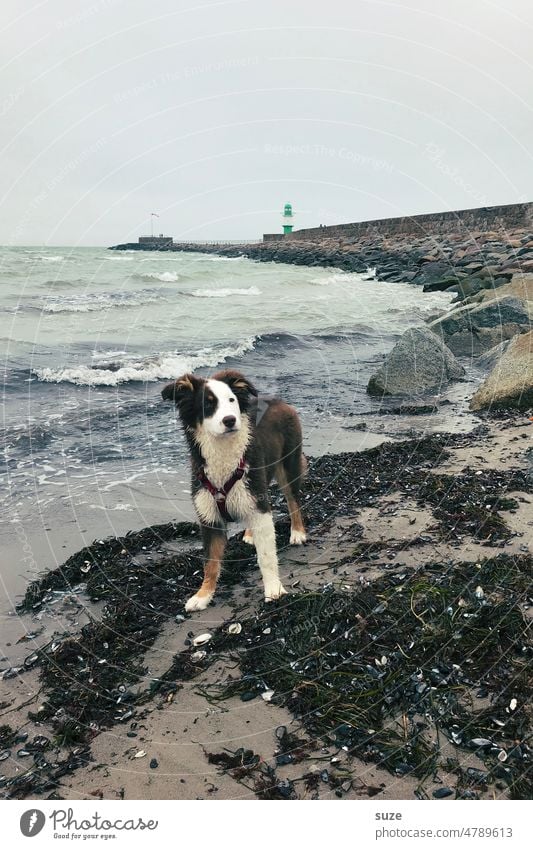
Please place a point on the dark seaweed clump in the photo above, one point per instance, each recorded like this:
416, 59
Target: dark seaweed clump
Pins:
383, 672
93, 679
88, 676
464, 504
96, 563
249, 769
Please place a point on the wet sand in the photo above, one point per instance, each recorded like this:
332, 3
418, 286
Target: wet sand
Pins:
175, 725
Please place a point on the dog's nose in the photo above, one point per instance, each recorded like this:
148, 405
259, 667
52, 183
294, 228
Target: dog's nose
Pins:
229, 421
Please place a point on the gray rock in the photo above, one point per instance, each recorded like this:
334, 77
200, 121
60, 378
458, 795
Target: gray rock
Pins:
510, 383
469, 286
479, 340
444, 283
489, 359
430, 272
419, 361
472, 329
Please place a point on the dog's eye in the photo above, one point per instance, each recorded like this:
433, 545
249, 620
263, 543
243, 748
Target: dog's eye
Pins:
231, 400
209, 405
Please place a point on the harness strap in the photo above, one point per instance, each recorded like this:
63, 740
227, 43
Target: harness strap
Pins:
220, 495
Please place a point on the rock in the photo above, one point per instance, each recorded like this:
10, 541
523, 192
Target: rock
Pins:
419, 361
430, 272
474, 328
489, 359
472, 266
474, 342
469, 286
443, 284
490, 272
510, 383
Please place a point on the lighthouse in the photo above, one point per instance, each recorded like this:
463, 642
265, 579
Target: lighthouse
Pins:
288, 223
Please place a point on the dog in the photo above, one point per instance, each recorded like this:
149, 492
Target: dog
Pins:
238, 443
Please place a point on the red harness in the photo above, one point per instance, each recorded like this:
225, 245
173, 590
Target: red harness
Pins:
220, 495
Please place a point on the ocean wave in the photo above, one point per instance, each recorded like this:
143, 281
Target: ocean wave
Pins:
106, 355
336, 277
163, 366
162, 276
61, 284
225, 293
57, 258
225, 258
98, 301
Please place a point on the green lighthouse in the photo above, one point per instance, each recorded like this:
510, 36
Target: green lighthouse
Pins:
288, 223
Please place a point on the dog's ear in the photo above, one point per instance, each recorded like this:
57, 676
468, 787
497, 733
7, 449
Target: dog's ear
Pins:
178, 390
238, 383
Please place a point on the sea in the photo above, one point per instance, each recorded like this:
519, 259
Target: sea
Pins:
89, 337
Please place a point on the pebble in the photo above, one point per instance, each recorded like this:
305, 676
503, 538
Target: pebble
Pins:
442, 793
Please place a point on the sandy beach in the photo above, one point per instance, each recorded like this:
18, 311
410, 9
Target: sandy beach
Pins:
117, 702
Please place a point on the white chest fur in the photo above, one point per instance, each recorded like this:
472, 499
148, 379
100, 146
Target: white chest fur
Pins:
222, 456
240, 504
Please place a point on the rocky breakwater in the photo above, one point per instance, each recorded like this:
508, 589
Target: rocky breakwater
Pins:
491, 329
490, 272
466, 262
480, 322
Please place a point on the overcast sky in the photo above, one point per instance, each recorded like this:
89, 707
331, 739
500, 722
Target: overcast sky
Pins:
216, 114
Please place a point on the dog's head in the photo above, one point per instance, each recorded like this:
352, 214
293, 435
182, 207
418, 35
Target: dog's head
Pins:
213, 405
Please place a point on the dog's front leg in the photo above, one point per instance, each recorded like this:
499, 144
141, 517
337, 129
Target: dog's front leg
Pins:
264, 536
214, 540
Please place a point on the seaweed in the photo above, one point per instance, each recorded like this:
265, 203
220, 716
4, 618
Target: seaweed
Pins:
250, 770
357, 668
95, 563
360, 668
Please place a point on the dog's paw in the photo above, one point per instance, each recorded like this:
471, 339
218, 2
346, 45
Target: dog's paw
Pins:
274, 592
198, 602
298, 537
248, 537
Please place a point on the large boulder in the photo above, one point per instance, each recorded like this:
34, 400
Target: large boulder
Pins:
432, 271
510, 383
490, 317
419, 362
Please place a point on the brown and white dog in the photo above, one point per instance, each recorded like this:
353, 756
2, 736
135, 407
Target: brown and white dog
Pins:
238, 444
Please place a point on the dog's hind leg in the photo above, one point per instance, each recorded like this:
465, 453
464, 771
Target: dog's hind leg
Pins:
248, 536
289, 475
214, 540
262, 526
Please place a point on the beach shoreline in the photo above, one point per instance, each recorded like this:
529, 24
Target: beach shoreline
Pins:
411, 499
354, 542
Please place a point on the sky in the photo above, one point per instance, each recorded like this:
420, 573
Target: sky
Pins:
215, 114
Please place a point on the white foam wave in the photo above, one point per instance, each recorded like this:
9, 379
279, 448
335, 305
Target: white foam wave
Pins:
225, 258
225, 293
52, 258
98, 301
336, 277
163, 276
164, 366
106, 355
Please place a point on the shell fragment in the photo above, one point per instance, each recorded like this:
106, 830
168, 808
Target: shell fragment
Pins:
201, 639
